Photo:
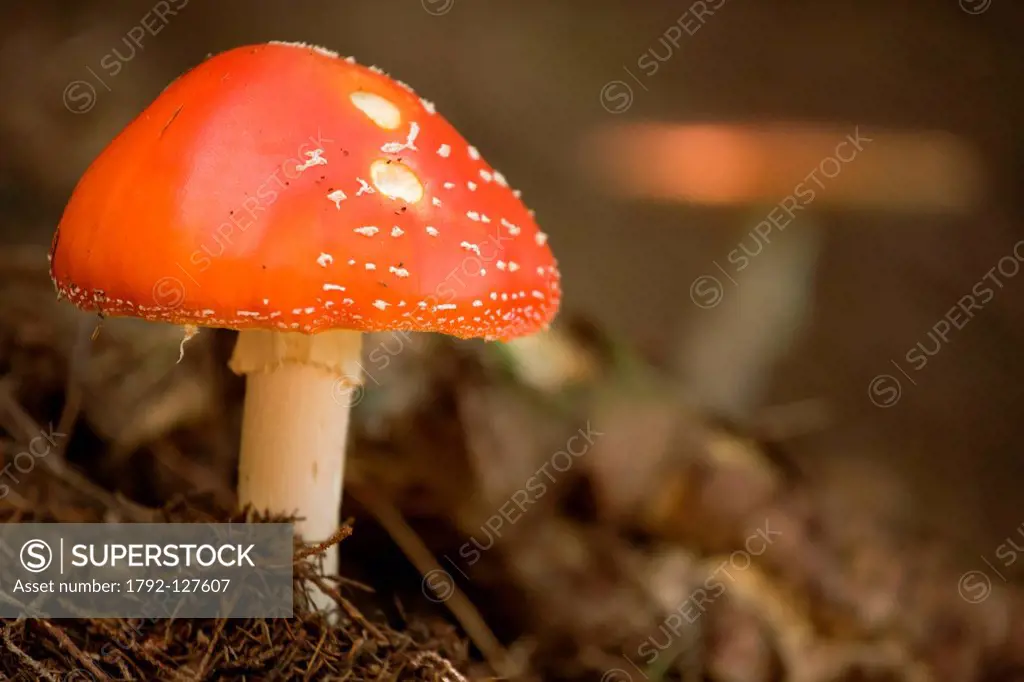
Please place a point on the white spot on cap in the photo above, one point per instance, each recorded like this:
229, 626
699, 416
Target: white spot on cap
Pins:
478, 303
513, 229
381, 111
398, 272
486, 175
366, 230
333, 287
435, 201
445, 306
513, 266
470, 247
316, 158
471, 185
473, 153
396, 147
473, 215
540, 238
306, 46
432, 231
371, 266
538, 294
396, 181
449, 185
337, 196
500, 179
428, 105
364, 187
501, 265
444, 151
324, 259
396, 231
381, 305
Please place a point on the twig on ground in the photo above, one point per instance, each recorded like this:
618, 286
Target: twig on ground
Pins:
419, 554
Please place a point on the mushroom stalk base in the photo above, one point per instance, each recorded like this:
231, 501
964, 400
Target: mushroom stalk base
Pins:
295, 423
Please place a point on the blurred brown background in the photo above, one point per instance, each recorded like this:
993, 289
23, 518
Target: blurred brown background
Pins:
843, 292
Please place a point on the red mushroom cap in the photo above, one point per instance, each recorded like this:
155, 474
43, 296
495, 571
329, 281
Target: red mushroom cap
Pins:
278, 186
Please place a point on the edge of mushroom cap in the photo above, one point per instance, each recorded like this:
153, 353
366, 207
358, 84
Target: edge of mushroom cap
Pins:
97, 302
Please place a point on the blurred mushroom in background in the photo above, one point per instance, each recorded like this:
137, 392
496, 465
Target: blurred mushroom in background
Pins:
756, 299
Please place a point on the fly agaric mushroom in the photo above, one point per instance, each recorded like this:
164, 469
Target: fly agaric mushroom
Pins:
301, 199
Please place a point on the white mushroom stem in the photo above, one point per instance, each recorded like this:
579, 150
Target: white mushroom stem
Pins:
299, 391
